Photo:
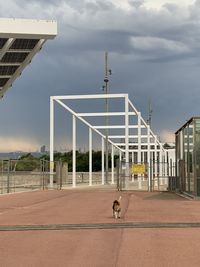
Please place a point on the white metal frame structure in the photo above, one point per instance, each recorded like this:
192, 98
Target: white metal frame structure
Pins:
20, 40
143, 142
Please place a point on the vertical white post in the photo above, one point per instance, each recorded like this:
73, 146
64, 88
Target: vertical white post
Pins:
102, 162
132, 164
51, 141
142, 161
139, 138
148, 157
126, 141
112, 162
90, 156
120, 156
161, 166
166, 167
74, 151
156, 161
139, 149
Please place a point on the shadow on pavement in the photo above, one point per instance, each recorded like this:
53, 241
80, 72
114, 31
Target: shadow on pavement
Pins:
164, 196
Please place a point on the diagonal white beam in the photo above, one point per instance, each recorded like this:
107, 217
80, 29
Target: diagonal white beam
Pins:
6, 46
145, 124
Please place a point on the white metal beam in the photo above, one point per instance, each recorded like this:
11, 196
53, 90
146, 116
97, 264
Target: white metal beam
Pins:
112, 167
90, 156
126, 142
148, 140
117, 126
5, 76
84, 121
149, 157
51, 141
103, 96
74, 151
134, 144
123, 136
103, 114
6, 47
102, 162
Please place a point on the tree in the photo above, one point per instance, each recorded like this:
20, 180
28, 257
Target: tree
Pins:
27, 162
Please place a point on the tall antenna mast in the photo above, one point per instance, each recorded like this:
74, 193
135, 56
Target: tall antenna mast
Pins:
105, 89
150, 113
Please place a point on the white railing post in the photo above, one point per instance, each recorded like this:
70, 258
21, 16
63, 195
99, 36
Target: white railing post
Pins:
112, 162
102, 162
51, 142
132, 164
149, 158
74, 151
90, 156
161, 166
139, 149
126, 141
156, 163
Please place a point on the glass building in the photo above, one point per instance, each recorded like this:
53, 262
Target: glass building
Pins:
188, 157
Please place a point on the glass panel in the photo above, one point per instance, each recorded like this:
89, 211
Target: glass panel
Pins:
14, 57
191, 157
24, 44
185, 149
197, 153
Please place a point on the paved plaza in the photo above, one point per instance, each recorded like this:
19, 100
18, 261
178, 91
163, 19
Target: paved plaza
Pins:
157, 229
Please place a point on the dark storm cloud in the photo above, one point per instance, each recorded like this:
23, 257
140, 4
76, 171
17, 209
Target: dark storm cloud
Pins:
153, 54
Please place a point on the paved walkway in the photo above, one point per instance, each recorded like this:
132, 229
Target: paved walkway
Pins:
23, 246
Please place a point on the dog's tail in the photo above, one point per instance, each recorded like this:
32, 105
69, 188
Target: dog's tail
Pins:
119, 199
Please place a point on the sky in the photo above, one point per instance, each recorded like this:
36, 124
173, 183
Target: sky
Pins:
153, 50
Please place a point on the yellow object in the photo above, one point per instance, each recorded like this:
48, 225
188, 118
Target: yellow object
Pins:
138, 168
51, 165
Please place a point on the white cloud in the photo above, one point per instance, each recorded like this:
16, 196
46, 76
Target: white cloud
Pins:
17, 144
157, 4
155, 43
167, 136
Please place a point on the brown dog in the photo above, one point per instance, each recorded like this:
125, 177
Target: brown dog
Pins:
116, 208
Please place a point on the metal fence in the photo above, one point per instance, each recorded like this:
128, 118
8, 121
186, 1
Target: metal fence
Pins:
155, 176
27, 175
23, 175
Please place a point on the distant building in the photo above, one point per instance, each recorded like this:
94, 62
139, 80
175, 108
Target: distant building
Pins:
43, 149
188, 157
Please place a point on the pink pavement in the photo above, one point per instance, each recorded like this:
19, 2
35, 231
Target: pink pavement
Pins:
154, 247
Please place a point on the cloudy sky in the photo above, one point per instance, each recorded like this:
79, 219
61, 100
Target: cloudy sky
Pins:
154, 52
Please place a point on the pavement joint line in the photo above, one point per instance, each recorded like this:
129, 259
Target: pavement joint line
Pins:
99, 226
